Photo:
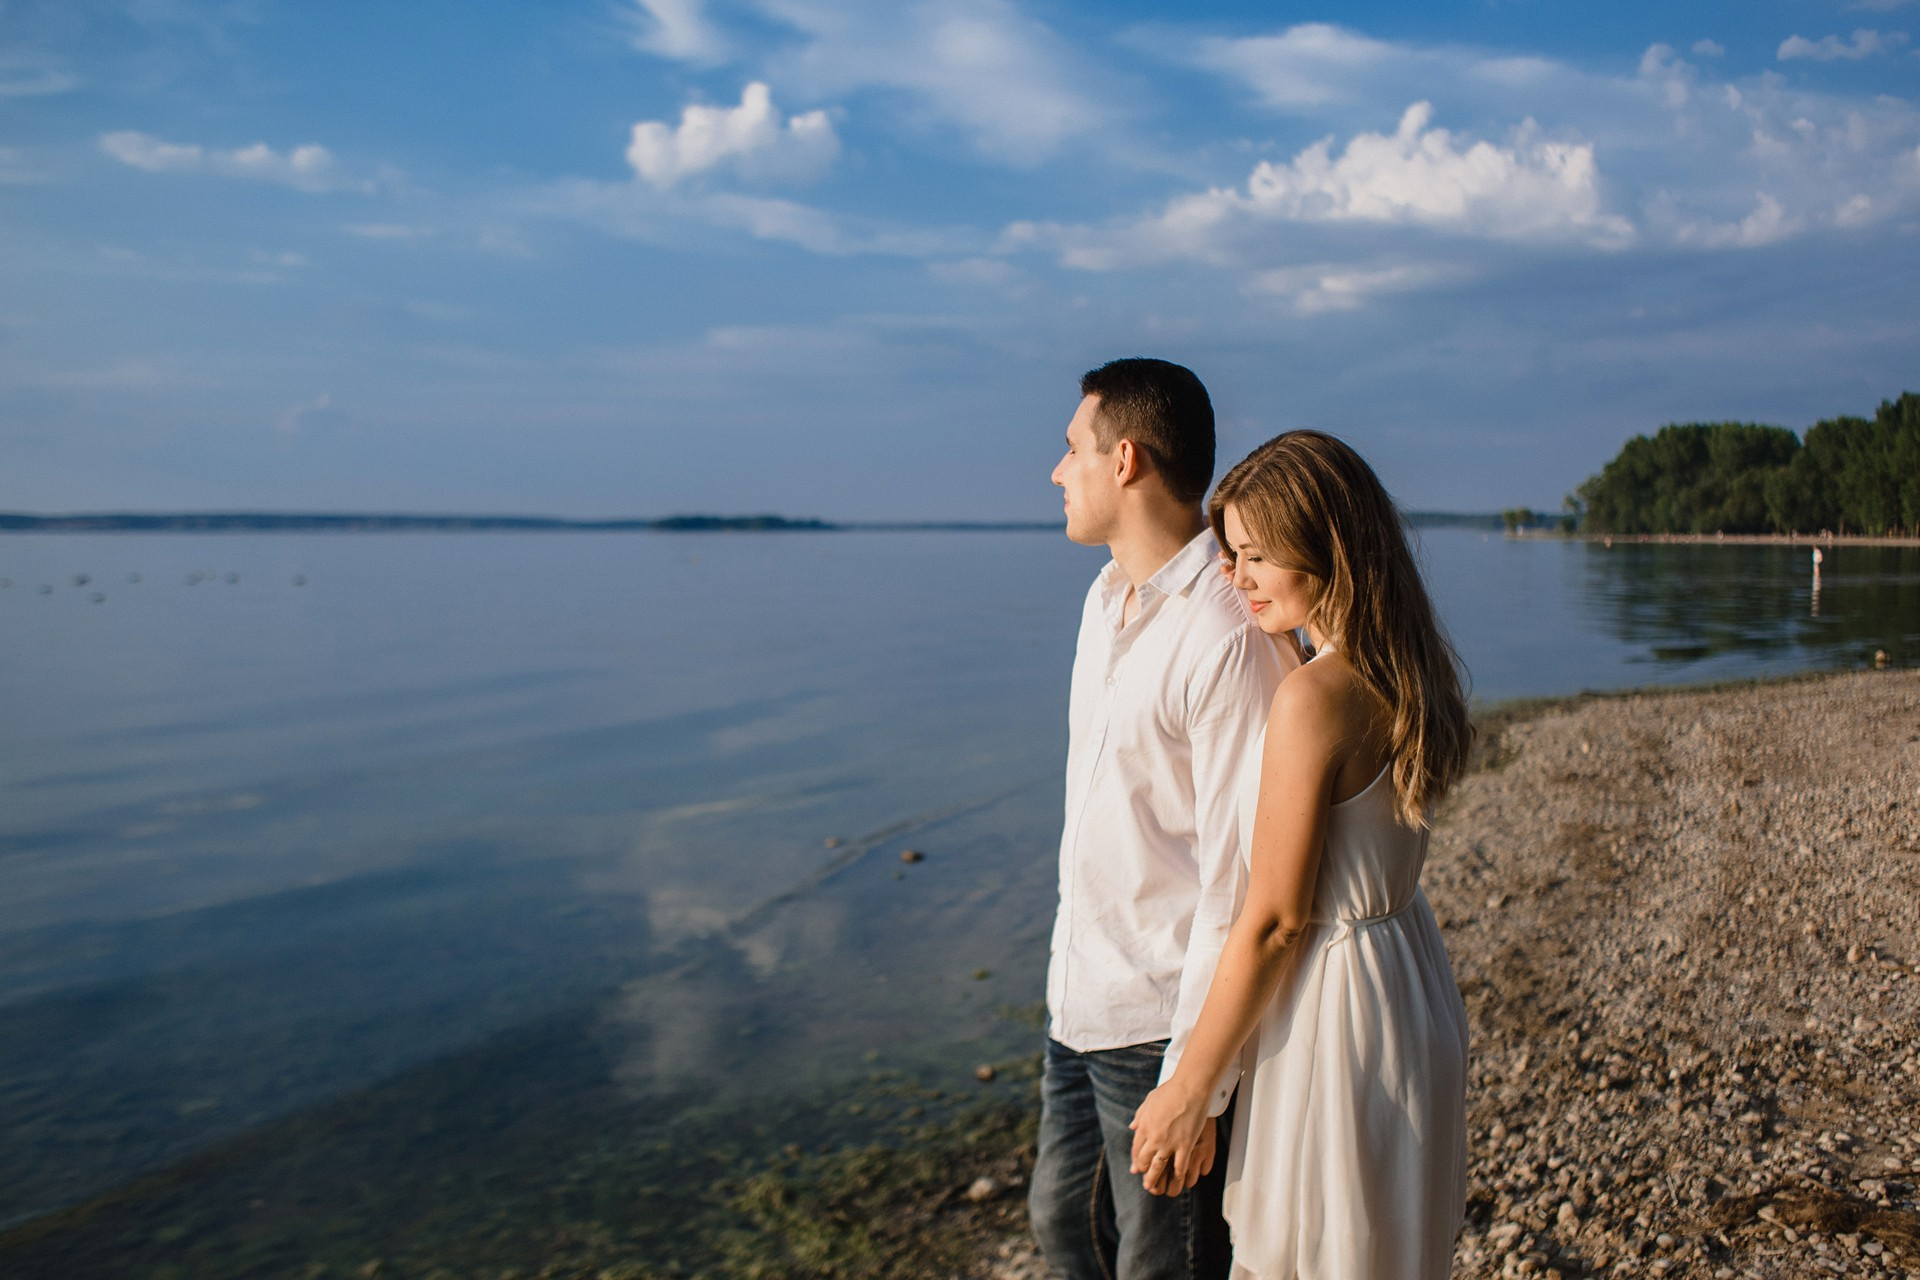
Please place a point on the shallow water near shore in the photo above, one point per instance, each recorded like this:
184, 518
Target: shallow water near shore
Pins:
304, 838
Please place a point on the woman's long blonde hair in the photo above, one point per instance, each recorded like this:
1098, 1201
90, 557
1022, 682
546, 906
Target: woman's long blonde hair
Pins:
1312, 504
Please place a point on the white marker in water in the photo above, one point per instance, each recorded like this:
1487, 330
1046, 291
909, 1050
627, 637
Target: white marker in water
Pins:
1817, 558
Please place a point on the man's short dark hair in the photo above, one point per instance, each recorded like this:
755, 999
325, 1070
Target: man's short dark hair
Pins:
1164, 410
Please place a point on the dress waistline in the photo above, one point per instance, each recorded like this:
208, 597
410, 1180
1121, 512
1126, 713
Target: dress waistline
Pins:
1345, 927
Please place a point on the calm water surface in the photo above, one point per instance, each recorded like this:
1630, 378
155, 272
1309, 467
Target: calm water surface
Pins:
285, 816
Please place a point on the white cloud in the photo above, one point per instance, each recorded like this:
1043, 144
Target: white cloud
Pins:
1309, 65
820, 231
1328, 286
1857, 212
634, 211
308, 168
1318, 69
750, 138
1683, 152
1011, 83
1865, 44
1379, 191
1419, 175
1767, 224
676, 29
1416, 176
1709, 49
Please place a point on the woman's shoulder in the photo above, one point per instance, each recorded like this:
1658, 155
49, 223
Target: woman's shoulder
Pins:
1324, 691
1315, 688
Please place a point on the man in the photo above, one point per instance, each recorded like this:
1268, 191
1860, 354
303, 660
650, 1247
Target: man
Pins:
1171, 682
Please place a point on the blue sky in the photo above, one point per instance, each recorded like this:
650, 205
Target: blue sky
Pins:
848, 257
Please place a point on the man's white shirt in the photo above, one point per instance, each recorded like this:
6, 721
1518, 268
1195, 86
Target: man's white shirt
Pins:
1164, 731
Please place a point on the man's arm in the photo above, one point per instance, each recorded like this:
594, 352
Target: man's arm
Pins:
1227, 700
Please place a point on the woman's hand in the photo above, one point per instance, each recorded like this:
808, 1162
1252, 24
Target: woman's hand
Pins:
1173, 1140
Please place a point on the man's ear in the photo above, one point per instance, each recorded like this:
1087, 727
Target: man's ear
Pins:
1129, 463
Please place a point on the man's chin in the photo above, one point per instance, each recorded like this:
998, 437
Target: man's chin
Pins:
1083, 537
1083, 532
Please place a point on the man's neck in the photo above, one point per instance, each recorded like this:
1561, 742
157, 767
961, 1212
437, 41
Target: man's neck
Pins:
1144, 550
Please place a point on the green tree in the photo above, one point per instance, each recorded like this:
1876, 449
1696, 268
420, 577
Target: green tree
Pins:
1901, 420
1690, 478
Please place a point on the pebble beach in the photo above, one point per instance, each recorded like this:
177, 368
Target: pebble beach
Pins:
1687, 928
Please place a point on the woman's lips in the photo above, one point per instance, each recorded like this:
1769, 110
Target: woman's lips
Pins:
1258, 605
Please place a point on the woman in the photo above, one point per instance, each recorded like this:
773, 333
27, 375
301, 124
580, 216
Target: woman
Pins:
1334, 991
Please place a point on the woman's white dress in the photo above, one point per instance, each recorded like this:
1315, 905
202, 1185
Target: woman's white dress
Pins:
1349, 1155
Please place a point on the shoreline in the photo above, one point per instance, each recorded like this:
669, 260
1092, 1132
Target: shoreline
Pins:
1722, 539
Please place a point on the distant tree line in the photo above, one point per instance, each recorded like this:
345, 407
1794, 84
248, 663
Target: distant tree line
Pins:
1523, 519
1848, 475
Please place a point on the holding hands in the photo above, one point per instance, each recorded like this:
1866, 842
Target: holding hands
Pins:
1173, 1140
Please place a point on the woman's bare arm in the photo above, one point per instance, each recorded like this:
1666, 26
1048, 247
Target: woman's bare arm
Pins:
1309, 733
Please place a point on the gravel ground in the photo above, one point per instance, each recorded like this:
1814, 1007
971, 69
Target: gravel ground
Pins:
1687, 927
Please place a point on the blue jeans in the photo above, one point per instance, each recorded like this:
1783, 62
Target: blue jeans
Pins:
1092, 1218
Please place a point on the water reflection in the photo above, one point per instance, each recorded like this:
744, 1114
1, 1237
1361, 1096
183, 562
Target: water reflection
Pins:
867, 960
1686, 603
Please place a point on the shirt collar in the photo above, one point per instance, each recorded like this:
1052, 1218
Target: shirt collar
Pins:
1188, 563
1173, 578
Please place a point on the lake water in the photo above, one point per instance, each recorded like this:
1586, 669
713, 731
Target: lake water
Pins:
287, 818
